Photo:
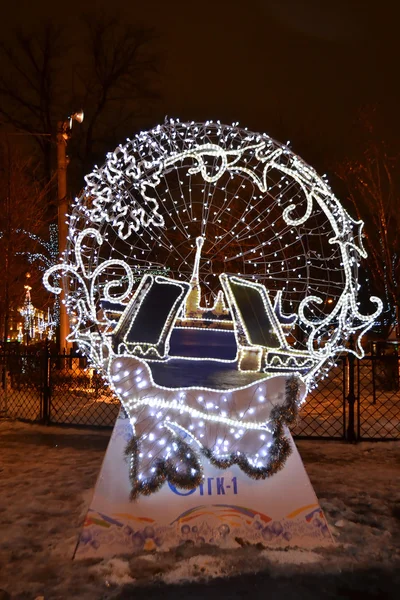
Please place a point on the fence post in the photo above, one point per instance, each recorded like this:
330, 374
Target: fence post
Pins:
351, 397
344, 389
4, 381
46, 384
373, 355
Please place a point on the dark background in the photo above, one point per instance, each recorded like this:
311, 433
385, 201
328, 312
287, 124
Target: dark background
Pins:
301, 70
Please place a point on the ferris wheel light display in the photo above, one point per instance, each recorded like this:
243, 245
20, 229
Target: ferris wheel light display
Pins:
209, 268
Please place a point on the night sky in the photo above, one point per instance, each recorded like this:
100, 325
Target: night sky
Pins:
298, 69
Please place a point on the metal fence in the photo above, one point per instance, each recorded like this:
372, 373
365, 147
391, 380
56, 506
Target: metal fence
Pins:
360, 400
55, 389
325, 412
378, 397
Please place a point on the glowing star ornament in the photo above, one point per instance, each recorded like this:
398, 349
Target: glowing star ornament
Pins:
247, 292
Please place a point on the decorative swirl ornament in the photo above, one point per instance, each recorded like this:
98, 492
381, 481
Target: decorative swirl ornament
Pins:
212, 277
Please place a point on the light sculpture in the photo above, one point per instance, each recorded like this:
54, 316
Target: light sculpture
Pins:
212, 277
46, 259
28, 311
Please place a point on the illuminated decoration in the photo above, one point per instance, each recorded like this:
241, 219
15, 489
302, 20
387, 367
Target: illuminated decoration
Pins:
46, 259
35, 325
247, 291
45, 326
28, 311
41, 325
51, 323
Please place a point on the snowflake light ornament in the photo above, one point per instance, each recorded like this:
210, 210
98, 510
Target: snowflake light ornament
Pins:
212, 277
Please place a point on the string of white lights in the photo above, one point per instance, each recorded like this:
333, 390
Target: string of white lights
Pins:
273, 237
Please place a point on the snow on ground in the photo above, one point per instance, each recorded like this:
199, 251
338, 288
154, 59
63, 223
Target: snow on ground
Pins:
47, 476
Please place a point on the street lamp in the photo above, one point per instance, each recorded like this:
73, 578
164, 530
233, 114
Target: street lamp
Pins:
63, 136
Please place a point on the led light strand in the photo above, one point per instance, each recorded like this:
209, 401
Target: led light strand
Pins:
258, 210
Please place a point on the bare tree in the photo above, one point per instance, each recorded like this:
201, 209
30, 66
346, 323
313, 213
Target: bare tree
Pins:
372, 183
116, 81
22, 205
31, 89
108, 70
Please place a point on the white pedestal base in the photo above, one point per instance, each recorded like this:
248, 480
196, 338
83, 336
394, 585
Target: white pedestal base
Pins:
276, 512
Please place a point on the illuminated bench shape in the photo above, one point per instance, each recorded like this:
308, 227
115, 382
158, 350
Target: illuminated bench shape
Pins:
146, 323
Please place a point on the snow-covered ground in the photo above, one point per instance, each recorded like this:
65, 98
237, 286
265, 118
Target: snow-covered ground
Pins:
47, 477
